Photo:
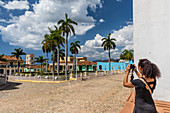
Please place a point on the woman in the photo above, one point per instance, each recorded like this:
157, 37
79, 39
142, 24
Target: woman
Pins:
144, 86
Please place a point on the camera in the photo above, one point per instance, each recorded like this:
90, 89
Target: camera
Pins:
132, 66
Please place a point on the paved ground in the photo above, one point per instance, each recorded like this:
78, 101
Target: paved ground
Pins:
97, 95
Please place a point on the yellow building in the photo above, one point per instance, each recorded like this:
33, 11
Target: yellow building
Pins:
82, 64
70, 62
11, 66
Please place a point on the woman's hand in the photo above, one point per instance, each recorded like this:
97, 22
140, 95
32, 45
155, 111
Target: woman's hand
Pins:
135, 69
128, 68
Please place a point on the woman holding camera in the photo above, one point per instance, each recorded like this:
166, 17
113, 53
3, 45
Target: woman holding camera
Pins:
144, 86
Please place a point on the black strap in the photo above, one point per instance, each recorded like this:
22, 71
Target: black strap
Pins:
150, 83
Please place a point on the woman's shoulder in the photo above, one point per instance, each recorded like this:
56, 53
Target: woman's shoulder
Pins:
137, 82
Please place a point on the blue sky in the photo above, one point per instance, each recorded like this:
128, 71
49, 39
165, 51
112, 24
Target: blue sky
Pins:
23, 24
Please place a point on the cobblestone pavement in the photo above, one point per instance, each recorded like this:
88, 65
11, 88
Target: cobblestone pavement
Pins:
103, 94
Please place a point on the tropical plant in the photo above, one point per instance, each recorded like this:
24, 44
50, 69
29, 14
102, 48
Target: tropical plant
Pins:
18, 52
108, 43
41, 60
2, 59
54, 40
61, 55
127, 55
66, 27
122, 56
74, 50
46, 50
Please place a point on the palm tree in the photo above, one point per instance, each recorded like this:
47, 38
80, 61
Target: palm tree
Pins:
127, 54
74, 50
18, 52
41, 60
46, 50
2, 59
54, 40
57, 57
122, 56
108, 44
66, 27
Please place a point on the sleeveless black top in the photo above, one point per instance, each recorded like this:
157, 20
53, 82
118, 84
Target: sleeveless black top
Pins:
143, 99
154, 84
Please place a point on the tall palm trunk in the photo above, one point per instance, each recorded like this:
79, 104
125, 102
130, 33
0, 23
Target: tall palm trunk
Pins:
58, 61
46, 63
6, 69
109, 59
53, 65
41, 68
74, 63
66, 52
18, 66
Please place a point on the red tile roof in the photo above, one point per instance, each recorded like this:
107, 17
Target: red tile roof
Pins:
11, 58
82, 62
34, 66
1, 62
87, 63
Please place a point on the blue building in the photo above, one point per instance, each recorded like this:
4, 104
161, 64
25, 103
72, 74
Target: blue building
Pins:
102, 66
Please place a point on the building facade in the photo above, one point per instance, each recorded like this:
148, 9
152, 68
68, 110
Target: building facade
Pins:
151, 39
82, 64
11, 66
33, 68
115, 66
30, 59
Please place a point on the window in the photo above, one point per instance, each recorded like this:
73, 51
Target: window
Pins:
11, 63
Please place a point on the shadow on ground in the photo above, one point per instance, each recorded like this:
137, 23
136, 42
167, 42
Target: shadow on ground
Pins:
10, 86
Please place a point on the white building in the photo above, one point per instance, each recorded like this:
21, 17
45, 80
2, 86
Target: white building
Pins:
30, 59
152, 39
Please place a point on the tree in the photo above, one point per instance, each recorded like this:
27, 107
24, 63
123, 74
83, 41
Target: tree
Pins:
108, 43
61, 55
127, 55
74, 50
46, 50
66, 27
54, 40
2, 59
41, 60
18, 52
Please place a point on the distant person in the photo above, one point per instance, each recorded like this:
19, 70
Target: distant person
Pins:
144, 86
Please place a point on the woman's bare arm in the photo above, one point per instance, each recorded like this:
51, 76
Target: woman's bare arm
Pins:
137, 73
125, 81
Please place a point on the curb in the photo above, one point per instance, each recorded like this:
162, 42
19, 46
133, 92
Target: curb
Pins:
40, 81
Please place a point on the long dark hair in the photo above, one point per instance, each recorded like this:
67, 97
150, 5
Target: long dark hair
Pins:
150, 70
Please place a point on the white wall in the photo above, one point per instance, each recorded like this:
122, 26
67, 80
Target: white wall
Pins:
152, 39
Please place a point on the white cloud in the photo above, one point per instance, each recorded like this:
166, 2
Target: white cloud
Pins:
101, 20
1, 3
2, 20
124, 40
11, 5
123, 36
28, 30
92, 49
118, 0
